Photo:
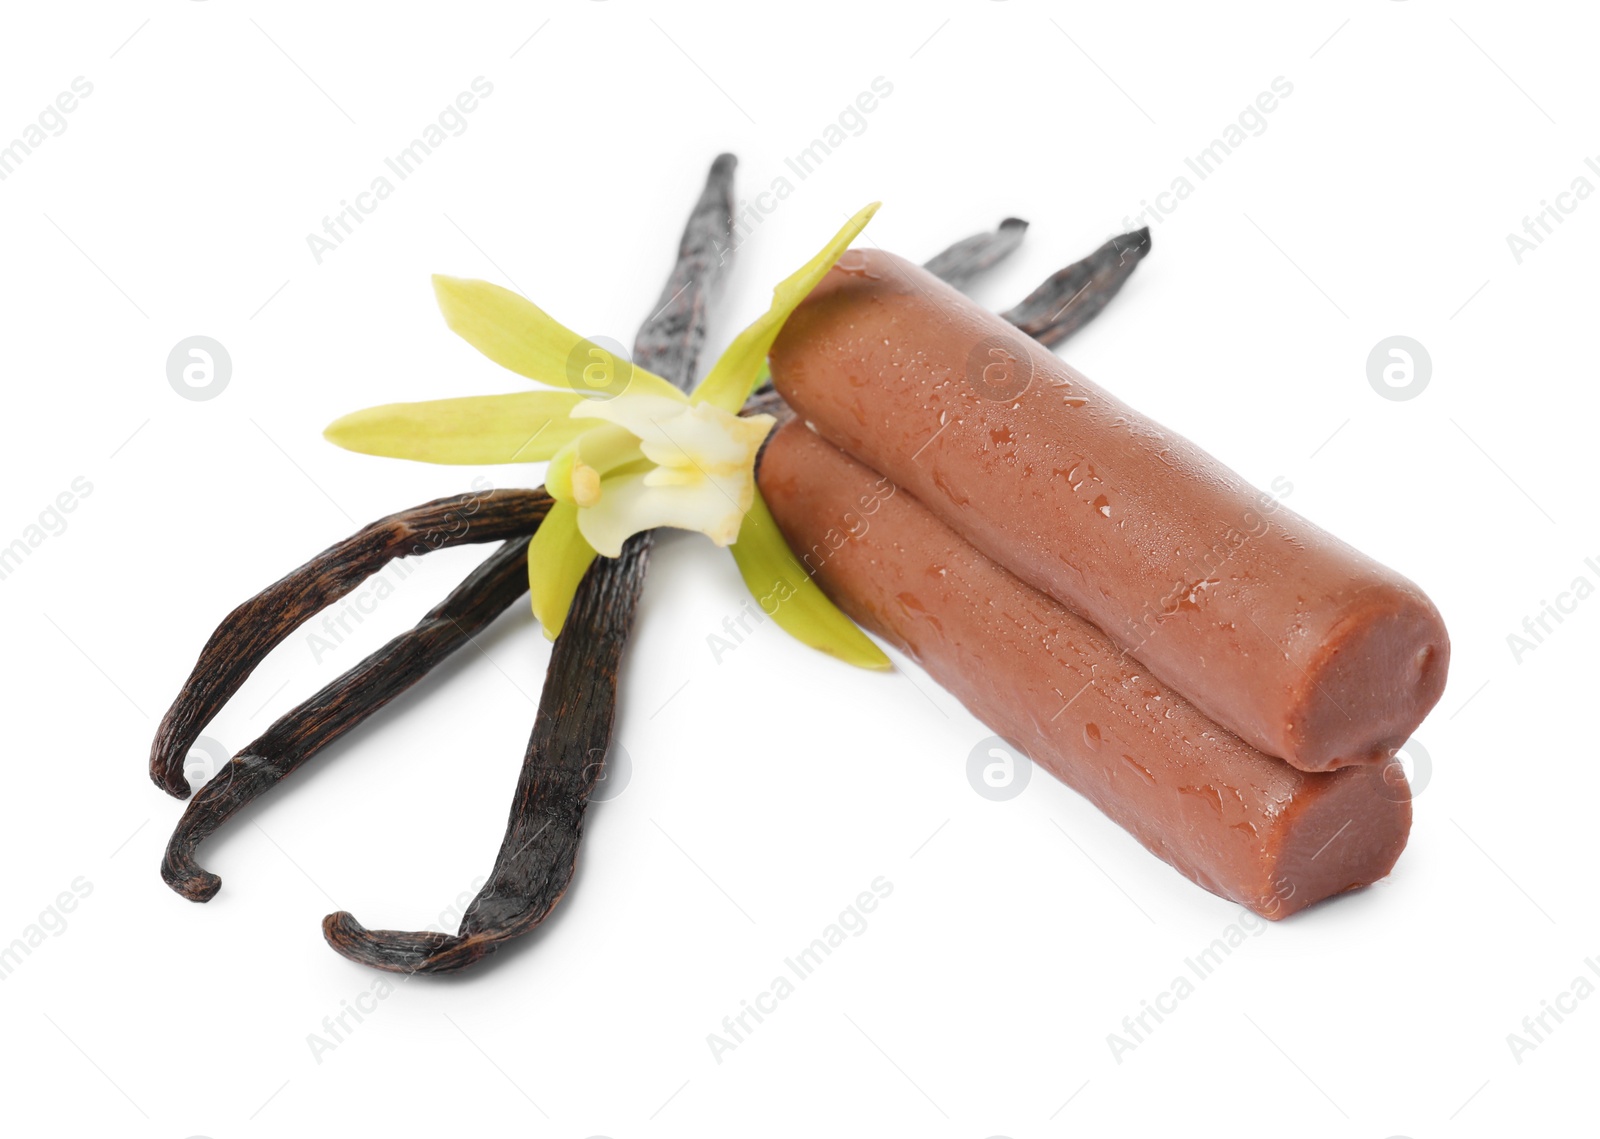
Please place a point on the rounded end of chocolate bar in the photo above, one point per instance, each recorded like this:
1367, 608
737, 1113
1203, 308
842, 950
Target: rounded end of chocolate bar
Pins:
1379, 673
1349, 836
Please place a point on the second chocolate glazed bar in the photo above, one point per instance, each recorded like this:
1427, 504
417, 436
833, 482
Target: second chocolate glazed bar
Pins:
1305, 647
1241, 824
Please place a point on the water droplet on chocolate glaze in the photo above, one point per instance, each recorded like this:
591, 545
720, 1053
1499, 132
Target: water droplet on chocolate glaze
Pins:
1139, 769
854, 262
1203, 794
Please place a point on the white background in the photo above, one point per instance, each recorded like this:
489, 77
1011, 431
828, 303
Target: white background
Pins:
770, 789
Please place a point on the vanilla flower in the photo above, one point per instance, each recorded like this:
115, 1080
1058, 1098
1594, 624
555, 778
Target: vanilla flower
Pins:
621, 463
664, 461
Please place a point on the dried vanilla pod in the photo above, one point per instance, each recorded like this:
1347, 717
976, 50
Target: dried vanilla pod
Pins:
1072, 297
260, 624
572, 729
295, 737
972, 256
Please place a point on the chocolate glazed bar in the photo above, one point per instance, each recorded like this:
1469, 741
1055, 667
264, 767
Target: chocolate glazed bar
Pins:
1300, 644
1242, 824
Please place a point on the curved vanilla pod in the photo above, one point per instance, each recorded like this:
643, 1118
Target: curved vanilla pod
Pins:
260, 624
294, 738
572, 729
565, 758
1072, 297
972, 256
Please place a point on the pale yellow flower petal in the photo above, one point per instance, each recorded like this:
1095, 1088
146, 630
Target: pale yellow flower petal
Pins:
558, 557
791, 598
735, 374
517, 334
522, 427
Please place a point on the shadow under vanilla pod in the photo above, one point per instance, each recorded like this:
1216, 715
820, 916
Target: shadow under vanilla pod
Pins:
585, 596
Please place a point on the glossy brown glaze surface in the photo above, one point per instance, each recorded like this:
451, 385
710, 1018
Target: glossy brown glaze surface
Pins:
1242, 824
1302, 645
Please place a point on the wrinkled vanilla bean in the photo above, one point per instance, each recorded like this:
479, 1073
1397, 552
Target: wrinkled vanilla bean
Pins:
294, 738
1073, 297
572, 730
256, 627
977, 254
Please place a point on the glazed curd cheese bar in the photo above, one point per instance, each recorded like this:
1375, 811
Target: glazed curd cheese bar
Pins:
1301, 645
1239, 823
